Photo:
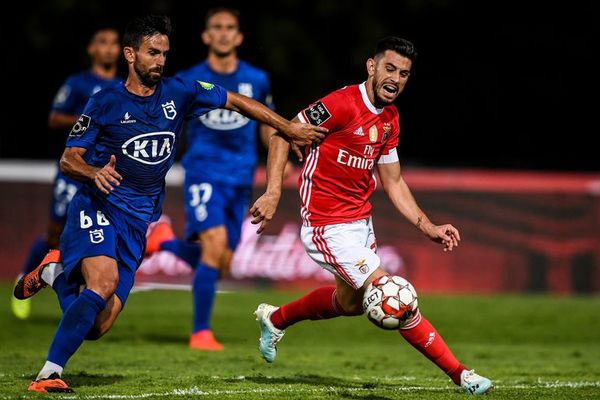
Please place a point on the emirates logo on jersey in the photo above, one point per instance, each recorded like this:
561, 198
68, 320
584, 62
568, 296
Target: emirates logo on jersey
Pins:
347, 159
150, 148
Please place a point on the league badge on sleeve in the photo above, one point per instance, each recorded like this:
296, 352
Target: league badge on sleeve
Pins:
80, 126
317, 113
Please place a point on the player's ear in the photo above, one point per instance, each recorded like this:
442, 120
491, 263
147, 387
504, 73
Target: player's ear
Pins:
129, 54
205, 38
239, 38
371, 66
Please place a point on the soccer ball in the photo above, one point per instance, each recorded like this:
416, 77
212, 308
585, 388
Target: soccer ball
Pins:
390, 301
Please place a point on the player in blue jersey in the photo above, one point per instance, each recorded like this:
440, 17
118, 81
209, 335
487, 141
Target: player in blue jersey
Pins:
121, 148
103, 50
219, 164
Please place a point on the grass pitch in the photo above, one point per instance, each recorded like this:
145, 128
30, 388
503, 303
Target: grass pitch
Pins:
533, 347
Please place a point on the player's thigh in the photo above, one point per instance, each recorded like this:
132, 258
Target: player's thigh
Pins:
87, 235
343, 249
214, 245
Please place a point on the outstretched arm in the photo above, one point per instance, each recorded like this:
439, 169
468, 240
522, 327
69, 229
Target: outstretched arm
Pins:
265, 206
300, 134
399, 193
73, 165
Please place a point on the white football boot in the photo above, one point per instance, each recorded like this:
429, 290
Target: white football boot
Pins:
269, 335
474, 384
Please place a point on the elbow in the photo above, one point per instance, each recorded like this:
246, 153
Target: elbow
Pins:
65, 166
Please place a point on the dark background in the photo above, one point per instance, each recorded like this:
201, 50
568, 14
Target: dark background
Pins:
497, 84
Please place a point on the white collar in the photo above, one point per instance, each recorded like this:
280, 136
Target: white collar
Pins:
363, 91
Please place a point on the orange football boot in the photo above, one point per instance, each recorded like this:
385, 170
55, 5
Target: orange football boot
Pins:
32, 283
51, 384
158, 232
204, 340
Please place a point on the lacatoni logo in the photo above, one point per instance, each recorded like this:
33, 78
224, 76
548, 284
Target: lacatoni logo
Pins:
223, 120
150, 148
348, 159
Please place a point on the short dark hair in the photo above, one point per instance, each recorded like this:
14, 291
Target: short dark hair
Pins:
399, 45
142, 27
210, 13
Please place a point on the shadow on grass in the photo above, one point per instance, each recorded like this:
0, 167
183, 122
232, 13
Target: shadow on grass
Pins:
342, 385
85, 379
165, 338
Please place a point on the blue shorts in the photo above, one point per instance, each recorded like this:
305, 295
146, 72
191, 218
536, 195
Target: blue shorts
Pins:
209, 204
94, 229
63, 190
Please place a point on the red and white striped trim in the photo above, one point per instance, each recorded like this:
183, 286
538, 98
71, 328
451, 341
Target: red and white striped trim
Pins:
306, 187
416, 320
330, 259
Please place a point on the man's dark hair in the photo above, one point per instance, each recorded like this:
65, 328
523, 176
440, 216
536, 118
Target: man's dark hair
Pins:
210, 13
143, 27
399, 45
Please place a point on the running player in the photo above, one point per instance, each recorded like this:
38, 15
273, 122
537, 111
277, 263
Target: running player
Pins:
121, 147
335, 185
219, 164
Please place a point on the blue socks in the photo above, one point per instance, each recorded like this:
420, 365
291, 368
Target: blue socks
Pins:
188, 252
204, 289
36, 255
74, 326
66, 292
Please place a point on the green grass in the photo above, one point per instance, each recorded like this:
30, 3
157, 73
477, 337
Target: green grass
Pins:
532, 347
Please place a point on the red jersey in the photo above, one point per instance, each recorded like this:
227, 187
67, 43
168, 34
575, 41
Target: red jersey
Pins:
338, 176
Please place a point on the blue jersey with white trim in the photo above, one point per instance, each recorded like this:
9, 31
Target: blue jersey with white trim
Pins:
77, 89
222, 143
142, 133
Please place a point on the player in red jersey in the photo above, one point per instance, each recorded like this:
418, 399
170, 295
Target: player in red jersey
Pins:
336, 182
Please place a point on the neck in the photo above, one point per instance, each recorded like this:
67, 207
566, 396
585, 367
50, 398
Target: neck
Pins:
371, 94
103, 72
223, 65
135, 86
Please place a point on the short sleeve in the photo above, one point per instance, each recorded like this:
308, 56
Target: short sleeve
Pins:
88, 126
331, 112
205, 96
67, 99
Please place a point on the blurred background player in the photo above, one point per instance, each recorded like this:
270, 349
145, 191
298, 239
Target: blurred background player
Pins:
219, 164
335, 185
104, 50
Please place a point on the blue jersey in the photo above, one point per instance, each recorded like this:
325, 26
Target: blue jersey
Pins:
141, 132
222, 143
77, 89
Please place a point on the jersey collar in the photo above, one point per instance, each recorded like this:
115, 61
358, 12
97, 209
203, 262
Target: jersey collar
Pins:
363, 91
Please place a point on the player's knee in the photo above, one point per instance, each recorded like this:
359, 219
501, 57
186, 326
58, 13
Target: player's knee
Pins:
105, 286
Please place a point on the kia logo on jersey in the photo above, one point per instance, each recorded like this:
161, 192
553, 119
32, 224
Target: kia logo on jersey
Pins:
223, 120
150, 148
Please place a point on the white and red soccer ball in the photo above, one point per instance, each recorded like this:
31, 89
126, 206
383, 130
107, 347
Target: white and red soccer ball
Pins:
390, 301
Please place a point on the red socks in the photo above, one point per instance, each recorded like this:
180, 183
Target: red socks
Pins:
318, 304
428, 341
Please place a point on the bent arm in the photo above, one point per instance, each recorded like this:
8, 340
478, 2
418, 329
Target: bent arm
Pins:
301, 134
400, 195
58, 120
74, 166
397, 190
